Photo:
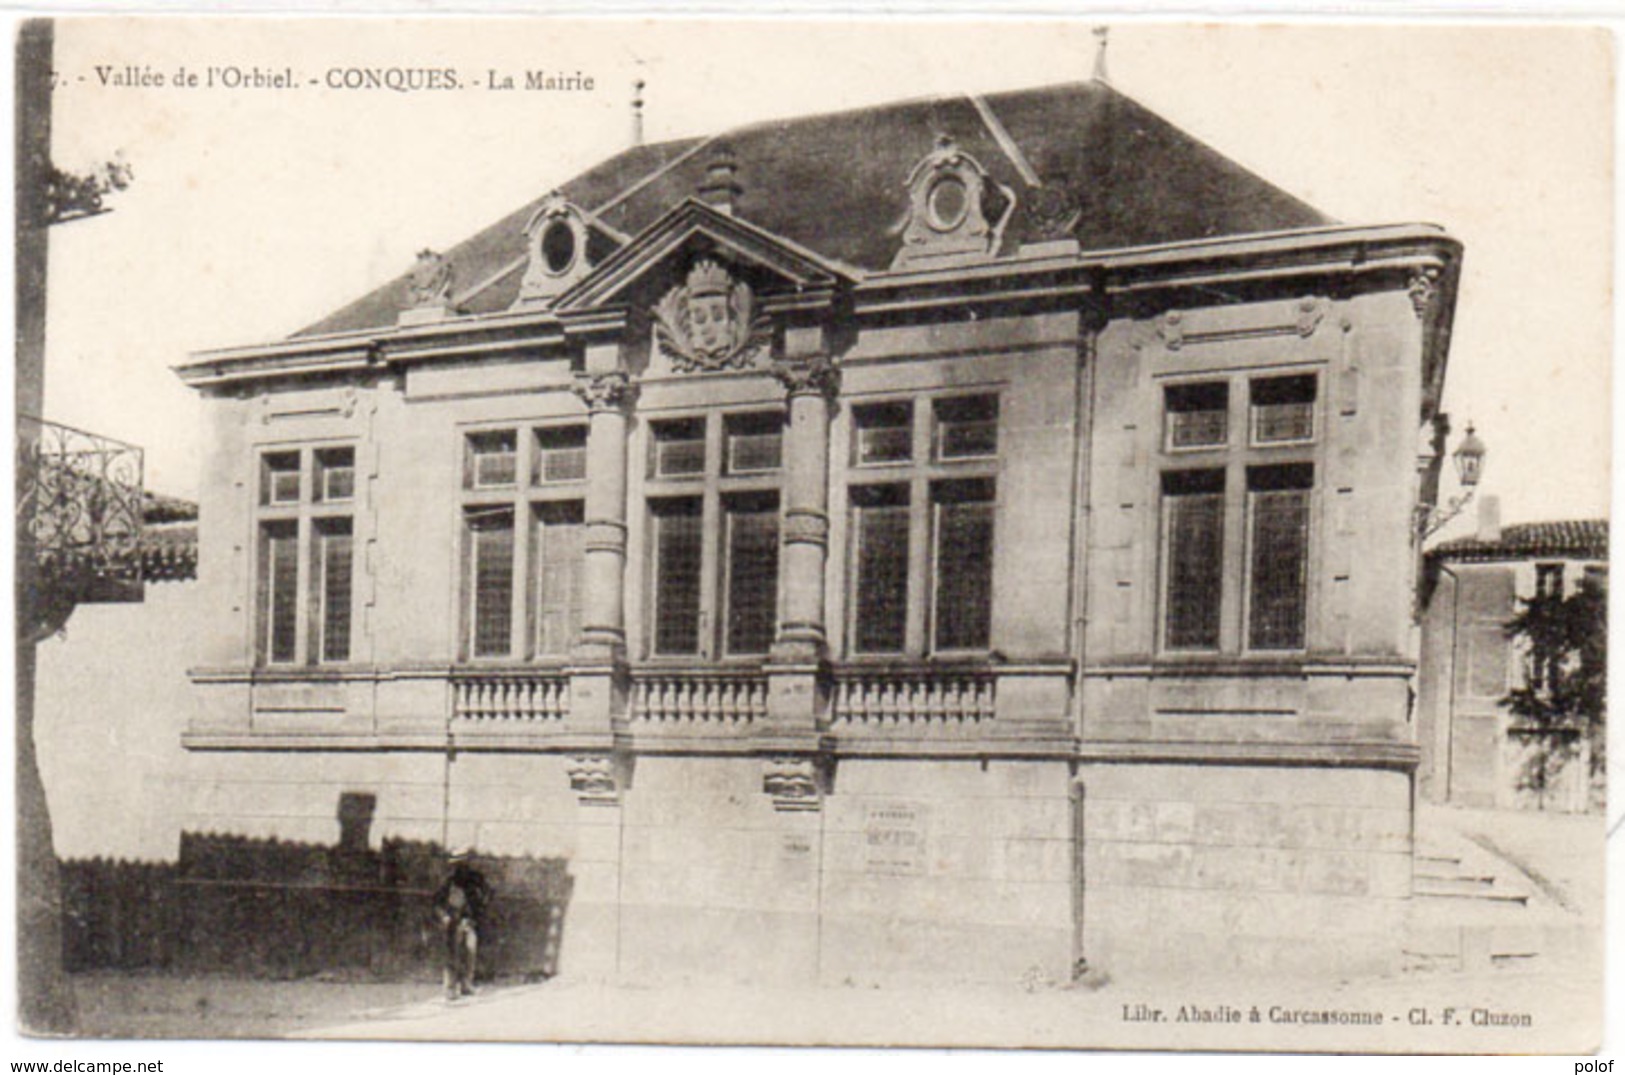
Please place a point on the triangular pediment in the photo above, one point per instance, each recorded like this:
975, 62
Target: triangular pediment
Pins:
671, 244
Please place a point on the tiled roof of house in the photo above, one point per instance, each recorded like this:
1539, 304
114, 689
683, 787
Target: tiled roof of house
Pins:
168, 538
1587, 538
835, 184
158, 508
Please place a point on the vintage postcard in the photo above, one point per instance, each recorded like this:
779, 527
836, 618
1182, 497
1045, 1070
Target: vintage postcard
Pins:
831, 532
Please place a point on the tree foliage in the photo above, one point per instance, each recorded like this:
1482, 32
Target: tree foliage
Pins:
1561, 708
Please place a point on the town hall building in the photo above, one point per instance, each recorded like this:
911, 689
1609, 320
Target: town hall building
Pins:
942, 541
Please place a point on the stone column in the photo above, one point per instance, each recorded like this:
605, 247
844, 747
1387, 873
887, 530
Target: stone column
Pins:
599, 655
603, 620
795, 666
805, 539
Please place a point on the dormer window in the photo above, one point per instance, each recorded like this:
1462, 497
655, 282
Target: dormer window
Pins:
558, 247
947, 203
956, 211
556, 251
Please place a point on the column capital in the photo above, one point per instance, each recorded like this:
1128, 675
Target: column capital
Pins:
808, 375
607, 391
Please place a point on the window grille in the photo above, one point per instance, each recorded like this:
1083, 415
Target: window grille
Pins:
280, 478
282, 591
967, 427
679, 449
1279, 569
678, 538
1283, 409
755, 442
333, 545
558, 572
1193, 519
963, 566
753, 574
561, 455
491, 556
1198, 415
884, 433
493, 459
880, 605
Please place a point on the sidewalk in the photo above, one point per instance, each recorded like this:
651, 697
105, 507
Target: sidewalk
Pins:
1564, 1011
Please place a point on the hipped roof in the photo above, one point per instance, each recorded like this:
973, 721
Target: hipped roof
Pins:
834, 184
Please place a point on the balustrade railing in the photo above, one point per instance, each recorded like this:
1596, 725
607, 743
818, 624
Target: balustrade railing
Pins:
511, 697
889, 698
698, 697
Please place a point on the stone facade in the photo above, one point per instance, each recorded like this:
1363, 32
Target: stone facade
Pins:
955, 740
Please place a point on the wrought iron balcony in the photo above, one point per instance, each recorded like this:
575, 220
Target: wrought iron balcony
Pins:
79, 518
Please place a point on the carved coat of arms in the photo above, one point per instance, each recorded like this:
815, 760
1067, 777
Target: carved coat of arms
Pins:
710, 322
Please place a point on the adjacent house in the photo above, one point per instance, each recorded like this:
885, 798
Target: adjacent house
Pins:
1475, 751
953, 539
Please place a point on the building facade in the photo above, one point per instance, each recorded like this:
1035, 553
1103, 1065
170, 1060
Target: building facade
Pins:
1475, 751
950, 540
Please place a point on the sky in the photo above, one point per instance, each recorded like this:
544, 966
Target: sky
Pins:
254, 212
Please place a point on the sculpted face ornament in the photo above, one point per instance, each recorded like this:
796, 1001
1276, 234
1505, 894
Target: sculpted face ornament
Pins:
710, 322
431, 280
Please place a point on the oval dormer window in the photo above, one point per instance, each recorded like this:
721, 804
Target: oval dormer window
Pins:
558, 247
947, 203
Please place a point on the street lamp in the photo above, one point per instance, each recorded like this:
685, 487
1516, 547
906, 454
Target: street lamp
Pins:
1469, 460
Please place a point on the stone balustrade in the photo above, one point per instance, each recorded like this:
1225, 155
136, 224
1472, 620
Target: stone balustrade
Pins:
691, 697
888, 698
508, 696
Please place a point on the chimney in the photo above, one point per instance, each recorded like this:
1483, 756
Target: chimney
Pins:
1489, 519
637, 112
720, 188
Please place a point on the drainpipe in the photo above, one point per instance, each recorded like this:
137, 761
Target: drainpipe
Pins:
1450, 693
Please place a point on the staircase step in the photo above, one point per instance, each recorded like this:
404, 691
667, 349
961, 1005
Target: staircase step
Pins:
1486, 897
1453, 884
